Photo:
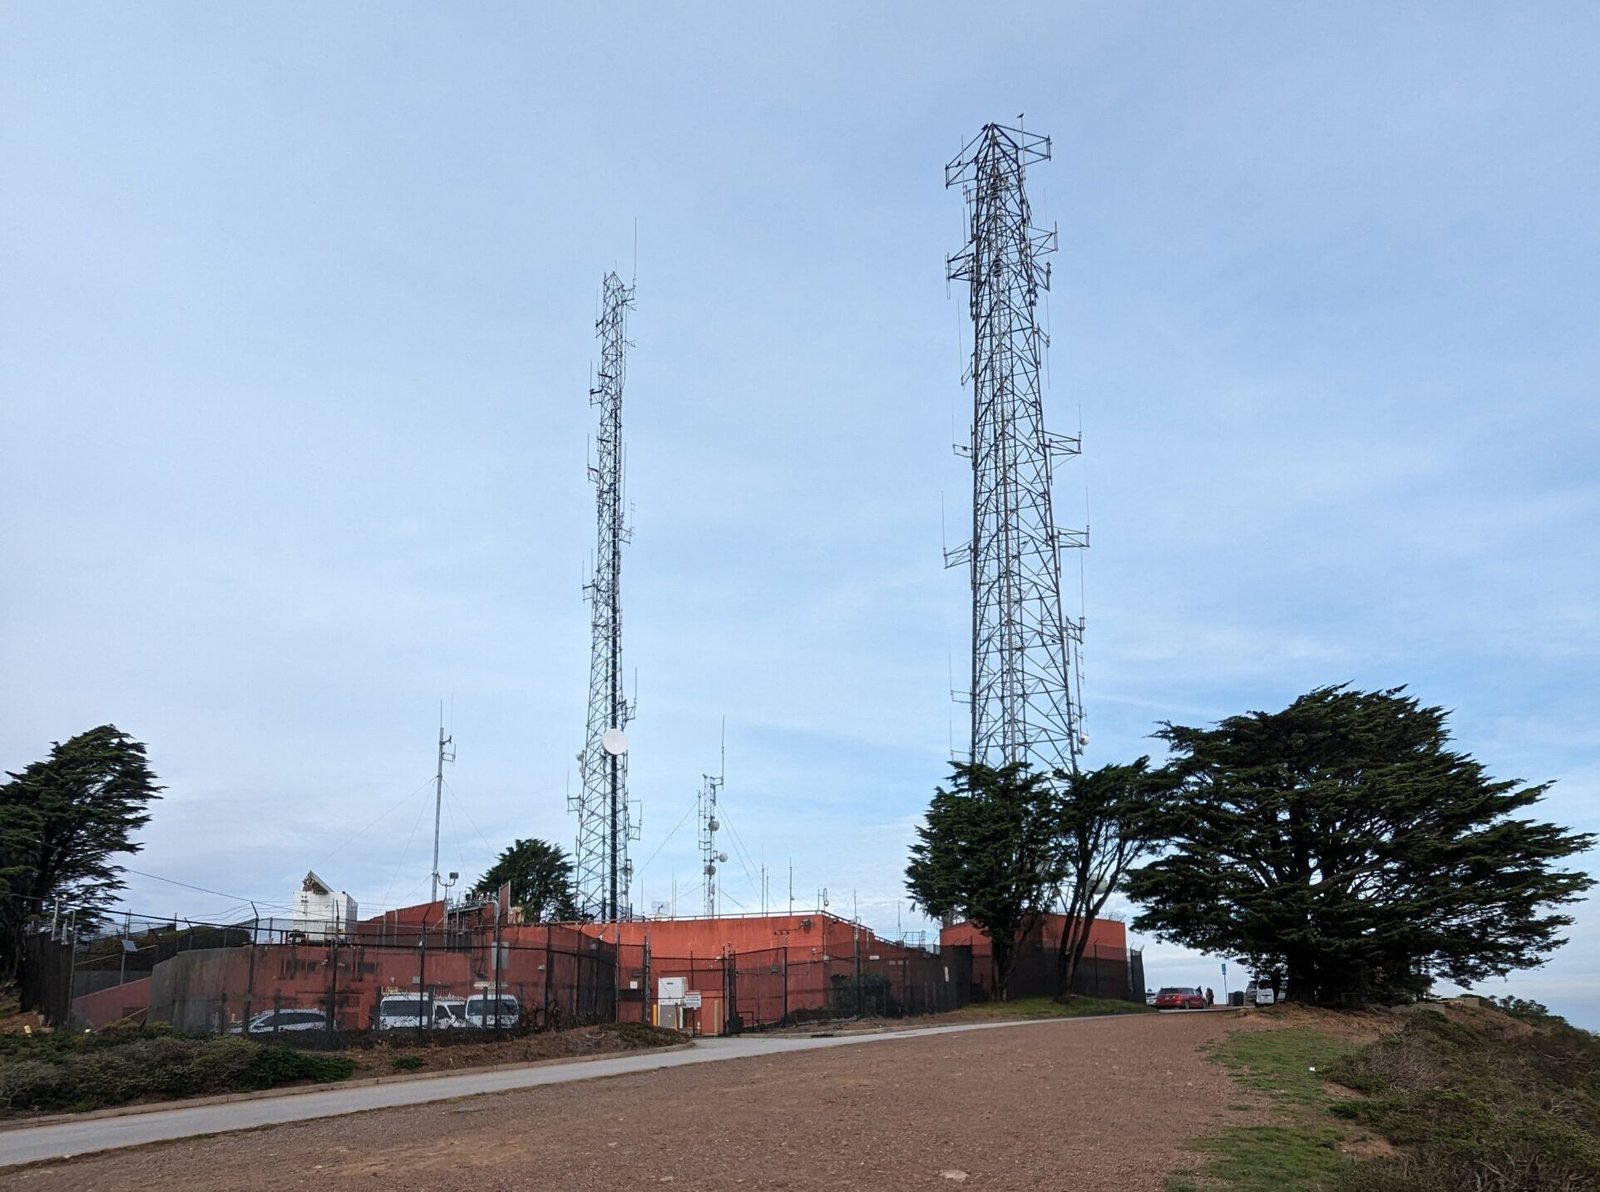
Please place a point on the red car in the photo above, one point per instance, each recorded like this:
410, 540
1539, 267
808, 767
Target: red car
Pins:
1179, 997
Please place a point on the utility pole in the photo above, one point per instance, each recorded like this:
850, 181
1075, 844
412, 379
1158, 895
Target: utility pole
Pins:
605, 824
438, 800
1025, 693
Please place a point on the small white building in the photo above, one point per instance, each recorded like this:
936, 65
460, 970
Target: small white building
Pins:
322, 913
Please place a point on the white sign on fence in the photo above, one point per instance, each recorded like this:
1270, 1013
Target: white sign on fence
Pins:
691, 1000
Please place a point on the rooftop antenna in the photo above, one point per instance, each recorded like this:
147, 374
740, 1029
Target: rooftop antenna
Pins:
438, 800
710, 858
605, 822
1025, 703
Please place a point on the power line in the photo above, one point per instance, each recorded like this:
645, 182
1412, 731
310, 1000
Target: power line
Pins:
202, 890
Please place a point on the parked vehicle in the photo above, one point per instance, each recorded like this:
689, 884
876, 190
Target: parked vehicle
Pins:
485, 1010
274, 1022
411, 1011
1180, 997
1259, 993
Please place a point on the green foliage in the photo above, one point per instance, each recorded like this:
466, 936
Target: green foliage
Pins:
62, 821
1523, 1008
64, 1071
1478, 1104
540, 876
1343, 842
987, 854
406, 1063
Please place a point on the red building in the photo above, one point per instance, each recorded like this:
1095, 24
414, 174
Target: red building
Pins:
1106, 970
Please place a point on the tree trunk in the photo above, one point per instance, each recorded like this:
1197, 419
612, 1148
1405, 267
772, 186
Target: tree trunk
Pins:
1005, 960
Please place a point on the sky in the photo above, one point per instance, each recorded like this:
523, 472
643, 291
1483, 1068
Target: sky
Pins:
297, 329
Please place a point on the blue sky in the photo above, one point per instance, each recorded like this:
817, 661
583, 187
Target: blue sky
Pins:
295, 341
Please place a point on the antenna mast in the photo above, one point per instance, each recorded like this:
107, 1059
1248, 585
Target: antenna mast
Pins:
710, 788
604, 822
1025, 655
438, 800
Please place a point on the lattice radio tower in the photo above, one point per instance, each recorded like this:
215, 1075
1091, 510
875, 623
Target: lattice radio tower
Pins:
605, 824
1026, 704
710, 858
710, 788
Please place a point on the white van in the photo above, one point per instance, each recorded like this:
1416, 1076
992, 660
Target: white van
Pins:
1258, 993
481, 1011
403, 1011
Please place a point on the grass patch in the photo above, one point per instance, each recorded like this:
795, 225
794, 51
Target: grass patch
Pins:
79, 1072
1267, 1159
1301, 1150
1043, 1007
1290, 1066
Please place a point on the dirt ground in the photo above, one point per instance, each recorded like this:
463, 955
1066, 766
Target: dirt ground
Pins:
1087, 1105
378, 1058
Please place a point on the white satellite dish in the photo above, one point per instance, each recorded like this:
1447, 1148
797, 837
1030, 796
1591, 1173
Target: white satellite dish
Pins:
614, 741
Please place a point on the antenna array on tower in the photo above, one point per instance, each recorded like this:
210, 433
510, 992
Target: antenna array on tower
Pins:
603, 872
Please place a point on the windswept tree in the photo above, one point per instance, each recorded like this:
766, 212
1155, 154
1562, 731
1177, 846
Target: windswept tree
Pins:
986, 855
1104, 822
63, 821
1343, 842
540, 876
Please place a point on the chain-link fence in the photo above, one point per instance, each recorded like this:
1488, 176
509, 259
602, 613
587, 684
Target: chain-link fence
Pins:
267, 979
1105, 972
774, 987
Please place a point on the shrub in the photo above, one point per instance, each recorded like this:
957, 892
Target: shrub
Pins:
30, 1084
89, 1071
641, 1034
1480, 1107
406, 1063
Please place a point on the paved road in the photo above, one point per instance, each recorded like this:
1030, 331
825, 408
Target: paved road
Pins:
29, 1144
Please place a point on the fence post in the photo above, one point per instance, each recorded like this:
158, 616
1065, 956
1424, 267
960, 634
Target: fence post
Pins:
855, 939
250, 982
496, 965
645, 975
424, 1003
547, 974
333, 985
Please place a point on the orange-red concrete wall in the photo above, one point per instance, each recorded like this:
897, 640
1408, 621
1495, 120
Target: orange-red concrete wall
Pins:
806, 936
129, 1000
1104, 933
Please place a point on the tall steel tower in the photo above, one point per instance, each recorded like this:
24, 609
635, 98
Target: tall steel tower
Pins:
1025, 702
605, 827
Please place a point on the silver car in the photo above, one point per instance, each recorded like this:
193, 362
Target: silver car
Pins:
274, 1022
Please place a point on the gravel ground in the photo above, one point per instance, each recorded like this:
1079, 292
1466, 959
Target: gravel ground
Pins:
1086, 1105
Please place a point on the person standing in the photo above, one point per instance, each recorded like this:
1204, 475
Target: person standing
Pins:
1211, 997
